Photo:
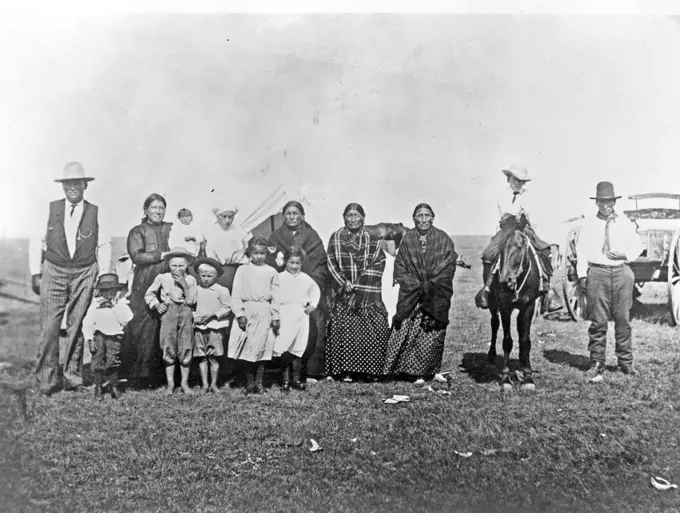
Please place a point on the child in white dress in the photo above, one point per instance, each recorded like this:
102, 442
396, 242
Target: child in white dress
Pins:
298, 296
257, 314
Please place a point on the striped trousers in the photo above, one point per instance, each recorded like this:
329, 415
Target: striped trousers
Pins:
59, 287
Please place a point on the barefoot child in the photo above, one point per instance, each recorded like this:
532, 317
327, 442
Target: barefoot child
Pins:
177, 291
252, 301
103, 329
211, 318
297, 297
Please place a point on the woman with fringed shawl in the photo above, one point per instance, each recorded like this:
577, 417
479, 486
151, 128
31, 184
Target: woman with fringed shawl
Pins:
358, 328
295, 231
424, 269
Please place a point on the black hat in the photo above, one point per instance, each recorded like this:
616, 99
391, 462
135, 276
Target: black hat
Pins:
211, 262
605, 191
109, 281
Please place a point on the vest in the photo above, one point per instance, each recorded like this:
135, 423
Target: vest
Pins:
87, 239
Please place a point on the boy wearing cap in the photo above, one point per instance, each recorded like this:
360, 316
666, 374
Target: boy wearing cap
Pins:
211, 320
172, 295
103, 329
512, 204
606, 243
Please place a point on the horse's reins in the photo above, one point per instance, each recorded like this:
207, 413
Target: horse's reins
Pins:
527, 244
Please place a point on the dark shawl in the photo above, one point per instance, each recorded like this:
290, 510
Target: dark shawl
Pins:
304, 237
425, 278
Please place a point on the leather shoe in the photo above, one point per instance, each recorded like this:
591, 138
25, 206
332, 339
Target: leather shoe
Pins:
98, 392
628, 369
115, 392
298, 385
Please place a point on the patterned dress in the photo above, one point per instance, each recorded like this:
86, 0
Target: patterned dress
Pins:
358, 328
424, 268
255, 287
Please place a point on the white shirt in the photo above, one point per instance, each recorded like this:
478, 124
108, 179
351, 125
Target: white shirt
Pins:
110, 321
622, 235
522, 201
180, 231
227, 246
36, 243
213, 300
297, 288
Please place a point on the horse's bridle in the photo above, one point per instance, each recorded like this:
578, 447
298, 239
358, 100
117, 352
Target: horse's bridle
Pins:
520, 269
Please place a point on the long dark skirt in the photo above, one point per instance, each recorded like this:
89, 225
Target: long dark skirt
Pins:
227, 279
414, 351
141, 356
315, 354
357, 340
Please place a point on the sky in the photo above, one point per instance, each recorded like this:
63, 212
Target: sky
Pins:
388, 110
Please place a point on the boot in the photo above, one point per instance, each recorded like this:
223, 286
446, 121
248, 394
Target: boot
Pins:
285, 376
482, 297
98, 385
113, 384
250, 377
259, 376
551, 302
297, 367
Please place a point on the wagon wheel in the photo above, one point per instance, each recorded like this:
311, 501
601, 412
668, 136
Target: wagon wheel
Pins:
674, 279
573, 299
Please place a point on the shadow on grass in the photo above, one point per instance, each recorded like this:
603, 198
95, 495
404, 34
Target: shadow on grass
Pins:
578, 361
653, 313
476, 366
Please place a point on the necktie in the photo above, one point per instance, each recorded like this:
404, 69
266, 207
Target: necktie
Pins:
607, 240
514, 196
73, 207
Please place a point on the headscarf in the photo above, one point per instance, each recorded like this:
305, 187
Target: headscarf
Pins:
426, 278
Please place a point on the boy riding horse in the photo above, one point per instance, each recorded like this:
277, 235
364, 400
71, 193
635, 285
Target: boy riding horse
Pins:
511, 205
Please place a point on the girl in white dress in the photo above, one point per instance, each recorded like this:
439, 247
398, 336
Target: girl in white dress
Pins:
257, 314
297, 297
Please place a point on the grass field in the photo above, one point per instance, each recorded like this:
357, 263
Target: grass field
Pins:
569, 446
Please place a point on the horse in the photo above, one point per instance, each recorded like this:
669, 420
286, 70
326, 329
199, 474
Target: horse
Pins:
387, 231
516, 287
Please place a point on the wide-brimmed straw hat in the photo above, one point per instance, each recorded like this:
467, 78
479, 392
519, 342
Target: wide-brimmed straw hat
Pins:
518, 171
179, 252
74, 171
605, 191
211, 262
109, 281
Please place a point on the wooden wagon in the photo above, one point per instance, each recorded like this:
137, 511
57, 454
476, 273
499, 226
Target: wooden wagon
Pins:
659, 230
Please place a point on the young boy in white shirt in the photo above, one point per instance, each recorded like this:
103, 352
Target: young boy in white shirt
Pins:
103, 330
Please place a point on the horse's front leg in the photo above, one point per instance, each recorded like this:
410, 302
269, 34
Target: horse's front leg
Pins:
506, 314
524, 319
495, 324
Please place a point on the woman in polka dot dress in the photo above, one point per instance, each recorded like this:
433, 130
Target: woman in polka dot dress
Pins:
424, 269
358, 329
